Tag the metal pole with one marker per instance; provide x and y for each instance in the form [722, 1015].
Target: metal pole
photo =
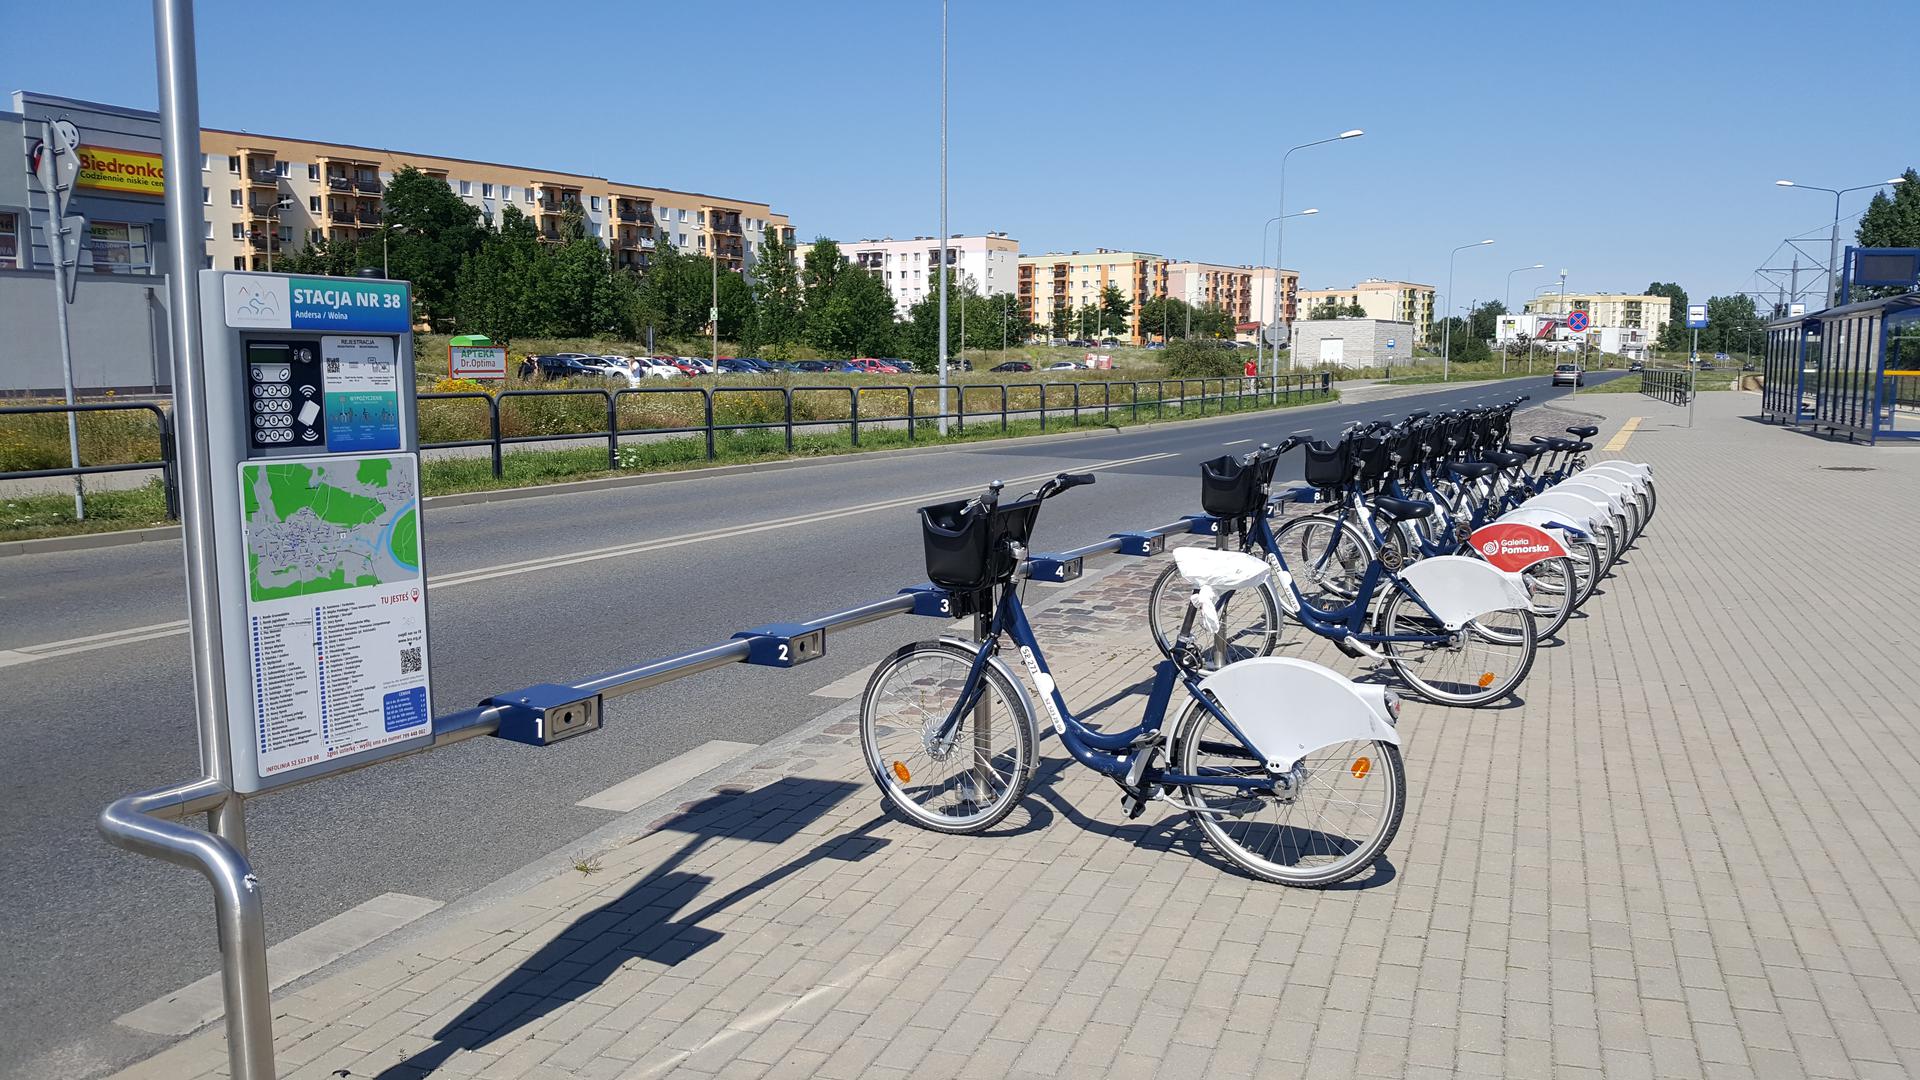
[61, 246]
[1833, 256]
[942, 367]
[1693, 376]
[713, 252]
[249, 1006]
[1446, 324]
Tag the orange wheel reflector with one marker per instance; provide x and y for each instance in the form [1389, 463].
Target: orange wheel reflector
[1486, 679]
[1361, 767]
[900, 771]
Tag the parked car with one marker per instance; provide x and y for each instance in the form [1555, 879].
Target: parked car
[1108, 343]
[700, 364]
[1636, 366]
[1063, 365]
[1568, 375]
[1058, 343]
[1156, 345]
[1012, 365]
[957, 363]
[735, 365]
[1706, 364]
[906, 367]
[817, 367]
[777, 365]
[867, 365]
[568, 366]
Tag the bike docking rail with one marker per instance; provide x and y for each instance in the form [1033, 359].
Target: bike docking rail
[153, 823]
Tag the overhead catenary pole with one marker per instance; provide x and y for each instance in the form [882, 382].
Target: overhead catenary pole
[943, 218]
[1833, 238]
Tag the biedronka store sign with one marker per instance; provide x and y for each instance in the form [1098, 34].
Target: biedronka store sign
[107, 168]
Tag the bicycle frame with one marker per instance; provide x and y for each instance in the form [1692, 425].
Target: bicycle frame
[1103, 752]
[1349, 619]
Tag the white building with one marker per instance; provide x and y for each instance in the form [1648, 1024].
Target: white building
[1551, 334]
[1352, 342]
[989, 263]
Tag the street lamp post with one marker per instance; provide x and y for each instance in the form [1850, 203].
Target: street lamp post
[273, 225]
[1280, 230]
[1833, 241]
[385, 231]
[941, 367]
[1259, 339]
[1507, 303]
[1446, 333]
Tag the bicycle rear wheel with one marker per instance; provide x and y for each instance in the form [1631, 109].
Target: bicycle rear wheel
[1249, 619]
[1554, 587]
[1340, 820]
[974, 779]
[1326, 556]
[1478, 664]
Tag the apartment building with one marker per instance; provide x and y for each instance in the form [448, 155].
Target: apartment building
[1629, 311]
[1072, 280]
[1397, 301]
[1270, 287]
[1199, 284]
[988, 263]
[266, 195]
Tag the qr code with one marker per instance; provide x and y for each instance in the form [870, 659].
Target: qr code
[410, 660]
[333, 366]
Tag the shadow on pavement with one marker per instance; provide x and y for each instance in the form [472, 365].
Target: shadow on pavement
[646, 921]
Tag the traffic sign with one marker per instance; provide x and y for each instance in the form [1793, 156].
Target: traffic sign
[1389, 343]
[1577, 322]
[1277, 334]
[1696, 316]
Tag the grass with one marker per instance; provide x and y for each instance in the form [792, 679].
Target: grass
[1630, 384]
[34, 516]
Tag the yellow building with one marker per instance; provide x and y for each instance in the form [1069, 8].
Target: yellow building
[1046, 283]
[1200, 284]
[266, 195]
[1630, 311]
[1399, 301]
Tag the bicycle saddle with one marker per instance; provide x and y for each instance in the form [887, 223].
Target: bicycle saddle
[1504, 459]
[1399, 509]
[1553, 442]
[1581, 447]
[1526, 450]
[1585, 431]
[1472, 470]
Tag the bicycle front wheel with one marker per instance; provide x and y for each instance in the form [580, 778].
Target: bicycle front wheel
[1553, 586]
[1478, 664]
[1338, 819]
[1249, 620]
[965, 783]
[1327, 557]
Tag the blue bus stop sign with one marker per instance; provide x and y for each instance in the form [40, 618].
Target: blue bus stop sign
[1389, 343]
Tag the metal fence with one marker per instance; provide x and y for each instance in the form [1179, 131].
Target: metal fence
[911, 406]
[163, 424]
[1671, 385]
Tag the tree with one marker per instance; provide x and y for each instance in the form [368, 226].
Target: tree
[1164, 317]
[1086, 321]
[1486, 320]
[1732, 322]
[333, 258]
[1203, 359]
[491, 288]
[822, 267]
[1212, 321]
[855, 316]
[1114, 310]
[1892, 221]
[779, 300]
[1333, 309]
[1673, 336]
[1060, 322]
[431, 232]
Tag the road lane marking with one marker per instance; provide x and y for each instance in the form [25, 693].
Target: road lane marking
[199, 1003]
[27, 654]
[1237, 442]
[639, 790]
[1619, 440]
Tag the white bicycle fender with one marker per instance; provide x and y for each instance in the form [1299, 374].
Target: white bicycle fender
[1459, 589]
[1603, 477]
[1614, 501]
[1579, 508]
[1555, 524]
[1289, 708]
[1634, 468]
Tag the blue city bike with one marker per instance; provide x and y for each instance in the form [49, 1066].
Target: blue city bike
[1291, 771]
[1454, 629]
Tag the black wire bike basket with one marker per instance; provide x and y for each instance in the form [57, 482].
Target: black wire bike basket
[1329, 465]
[971, 549]
[1229, 488]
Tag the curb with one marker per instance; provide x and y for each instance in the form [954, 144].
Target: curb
[86, 541]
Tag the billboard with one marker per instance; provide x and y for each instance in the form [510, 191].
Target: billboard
[133, 172]
[476, 362]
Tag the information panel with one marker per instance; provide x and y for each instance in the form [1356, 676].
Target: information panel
[336, 607]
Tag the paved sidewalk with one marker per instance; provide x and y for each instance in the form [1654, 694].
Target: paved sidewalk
[1688, 852]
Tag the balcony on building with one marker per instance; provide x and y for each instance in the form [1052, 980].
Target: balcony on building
[559, 200]
[633, 211]
[263, 170]
[632, 239]
[367, 215]
[340, 215]
[550, 232]
[262, 242]
[724, 221]
[631, 260]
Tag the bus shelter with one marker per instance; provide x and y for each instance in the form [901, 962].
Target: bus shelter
[1793, 355]
[1852, 370]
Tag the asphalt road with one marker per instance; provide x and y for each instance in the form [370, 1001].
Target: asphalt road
[93, 932]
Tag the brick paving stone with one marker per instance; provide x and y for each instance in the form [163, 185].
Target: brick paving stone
[1686, 853]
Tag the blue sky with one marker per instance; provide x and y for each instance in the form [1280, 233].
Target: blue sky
[1625, 143]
